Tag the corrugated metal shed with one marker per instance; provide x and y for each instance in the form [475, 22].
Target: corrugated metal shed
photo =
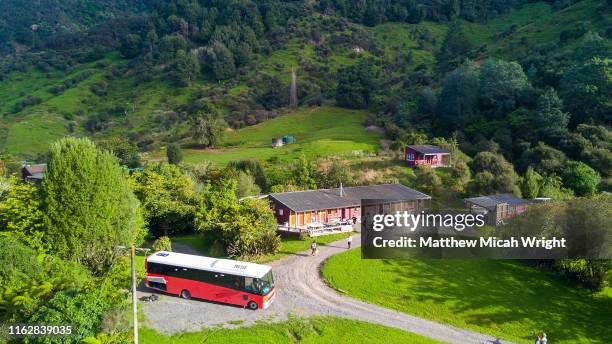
[490, 201]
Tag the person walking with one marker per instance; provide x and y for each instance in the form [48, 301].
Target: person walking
[538, 340]
[313, 247]
[349, 241]
[543, 340]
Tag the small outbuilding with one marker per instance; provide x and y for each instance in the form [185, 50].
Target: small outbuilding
[277, 142]
[497, 208]
[287, 139]
[34, 173]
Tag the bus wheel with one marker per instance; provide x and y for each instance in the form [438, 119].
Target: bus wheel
[252, 305]
[185, 294]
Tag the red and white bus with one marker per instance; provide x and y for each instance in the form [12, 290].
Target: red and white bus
[221, 280]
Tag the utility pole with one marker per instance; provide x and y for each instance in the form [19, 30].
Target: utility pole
[134, 303]
[133, 250]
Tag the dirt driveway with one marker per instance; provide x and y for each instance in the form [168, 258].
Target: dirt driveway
[300, 291]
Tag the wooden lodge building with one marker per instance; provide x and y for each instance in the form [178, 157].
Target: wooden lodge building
[497, 208]
[300, 209]
[434, 156]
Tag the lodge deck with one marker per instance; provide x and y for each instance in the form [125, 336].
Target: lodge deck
[318, 230]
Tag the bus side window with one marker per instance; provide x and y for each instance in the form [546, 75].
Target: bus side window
[203, 276]
[248, 284]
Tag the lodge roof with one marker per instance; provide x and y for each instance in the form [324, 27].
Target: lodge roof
[429, 149]
[311, 200]
[490, 201]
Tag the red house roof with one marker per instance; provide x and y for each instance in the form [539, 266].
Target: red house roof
[428, 149]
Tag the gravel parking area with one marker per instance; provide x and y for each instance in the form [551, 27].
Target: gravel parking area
[300, 291]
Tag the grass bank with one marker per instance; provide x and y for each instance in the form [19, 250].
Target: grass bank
[500, 297]
[288, 245]
[295, 330]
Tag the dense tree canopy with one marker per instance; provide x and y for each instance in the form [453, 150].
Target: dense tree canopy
[89, 209]
[167, 197]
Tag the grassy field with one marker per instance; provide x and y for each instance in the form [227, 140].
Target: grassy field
[318, 131]
[33, 134]
[295, 330]
[288, 245]
[504, 298]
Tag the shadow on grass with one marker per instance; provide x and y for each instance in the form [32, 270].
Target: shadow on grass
[498, 294]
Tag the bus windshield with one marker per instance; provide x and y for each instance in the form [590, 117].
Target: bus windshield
[260, 286]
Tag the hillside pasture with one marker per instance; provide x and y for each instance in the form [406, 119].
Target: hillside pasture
[318, 132]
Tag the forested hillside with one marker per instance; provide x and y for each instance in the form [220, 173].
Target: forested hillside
[33, 24]
[526, 80]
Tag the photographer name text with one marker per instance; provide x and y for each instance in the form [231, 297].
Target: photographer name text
[452, 242]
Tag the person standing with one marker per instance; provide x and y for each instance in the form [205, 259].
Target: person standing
[538, 340]
[313, 247]
[349, 241]
[544, 340]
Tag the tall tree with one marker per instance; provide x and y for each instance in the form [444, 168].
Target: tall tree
[454, 49]
[223, 65]
[501, 85]
[531, 183]
[174, 153]
[581, 178]
[550, 119]
[88, 206]
[586, 89]
[184, 69]
[207, 127]
[355, 85]
[458, 98]
[493, 174]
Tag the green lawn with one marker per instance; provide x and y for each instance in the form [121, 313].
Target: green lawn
[318, 132]
[294, 245]
[288, 245]
[500, 297]
[295, 330]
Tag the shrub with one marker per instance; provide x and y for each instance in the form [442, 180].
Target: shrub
[174, 153]
[162, 244]
[84, 310]
[18, 264]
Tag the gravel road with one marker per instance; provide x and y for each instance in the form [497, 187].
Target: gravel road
[300, 291]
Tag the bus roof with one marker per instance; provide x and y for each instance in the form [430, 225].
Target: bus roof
[225, 266]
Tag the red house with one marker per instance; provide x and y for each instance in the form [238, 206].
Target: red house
[433, 156]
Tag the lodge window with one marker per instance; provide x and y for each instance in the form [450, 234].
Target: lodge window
[410, 157]
[280, 211]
